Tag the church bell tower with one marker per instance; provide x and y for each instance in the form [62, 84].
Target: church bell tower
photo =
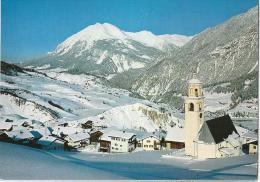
[194, 114]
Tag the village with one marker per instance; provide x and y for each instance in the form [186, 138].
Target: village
[214, 138]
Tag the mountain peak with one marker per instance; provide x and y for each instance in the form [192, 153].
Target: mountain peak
[101, 31]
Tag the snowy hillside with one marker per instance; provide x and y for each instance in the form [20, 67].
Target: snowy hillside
[51, 95]
[137, 116]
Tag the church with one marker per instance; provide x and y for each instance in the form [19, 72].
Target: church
[214, 138]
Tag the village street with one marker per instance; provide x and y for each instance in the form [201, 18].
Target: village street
[20, 162]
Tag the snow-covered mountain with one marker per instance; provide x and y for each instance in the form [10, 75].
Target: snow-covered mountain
[178, 40]
[107, 31]
[104, 49]
[227, 53]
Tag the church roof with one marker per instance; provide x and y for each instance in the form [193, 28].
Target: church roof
[216, 130]
[194, 79]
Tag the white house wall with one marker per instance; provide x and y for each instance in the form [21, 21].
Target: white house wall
[148, 143]
[119, 145]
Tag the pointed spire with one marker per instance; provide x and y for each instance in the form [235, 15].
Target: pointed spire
[194, 76]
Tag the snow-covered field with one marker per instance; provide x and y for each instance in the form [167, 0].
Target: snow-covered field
[23, 163]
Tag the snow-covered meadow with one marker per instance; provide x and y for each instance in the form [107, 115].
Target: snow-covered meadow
[23, 163]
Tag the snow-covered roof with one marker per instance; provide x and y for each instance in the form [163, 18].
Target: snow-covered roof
[47, 140]
[105, 137]
[241, 130]
[120, 134]
[5, 125]
[228, 151]
[44, 131]
[250, 135]
[78, 136]
[114, 133]
[20, 134]
[233, 139]
[148, 136]
[65, 130]
[175, 134]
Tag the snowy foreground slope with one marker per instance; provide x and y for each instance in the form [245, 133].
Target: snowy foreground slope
[23, 163]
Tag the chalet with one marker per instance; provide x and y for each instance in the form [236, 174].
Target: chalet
[249, 137]
[50, 143]
[174, 138]
[117, 141]
[105, 143]
[20, 136]
[87, 125]
[5, 126]
[149, 142]
[253, 147]
[77, 140]
[95, 136]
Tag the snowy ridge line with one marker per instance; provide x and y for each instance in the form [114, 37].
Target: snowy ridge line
[99, 31]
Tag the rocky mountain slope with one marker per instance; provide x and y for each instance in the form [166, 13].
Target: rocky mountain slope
[225, 53]
[103, 49]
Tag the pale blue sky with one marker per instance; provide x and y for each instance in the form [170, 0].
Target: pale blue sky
[31, 28]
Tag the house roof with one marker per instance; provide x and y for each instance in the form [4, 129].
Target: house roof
[20, 134]
[254, 142]
[36, 134]
[216, 130]
[175, 134]
[48, 140]
[250, 135]
[120, 134]
[5, 125]
[114, 133]
[149, 135]
[78, 136]
[65, 130]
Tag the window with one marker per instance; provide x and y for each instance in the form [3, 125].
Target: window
[112, 147]
[120, 145]
[191, 107]
[151, 146]
[145, 146]
[200, 115]
[196, 93]
[254, 147]
[148, 141]
[115, 144]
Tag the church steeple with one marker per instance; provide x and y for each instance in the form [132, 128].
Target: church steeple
[194, 113]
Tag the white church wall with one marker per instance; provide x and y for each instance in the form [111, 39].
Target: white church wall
[205, 151]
